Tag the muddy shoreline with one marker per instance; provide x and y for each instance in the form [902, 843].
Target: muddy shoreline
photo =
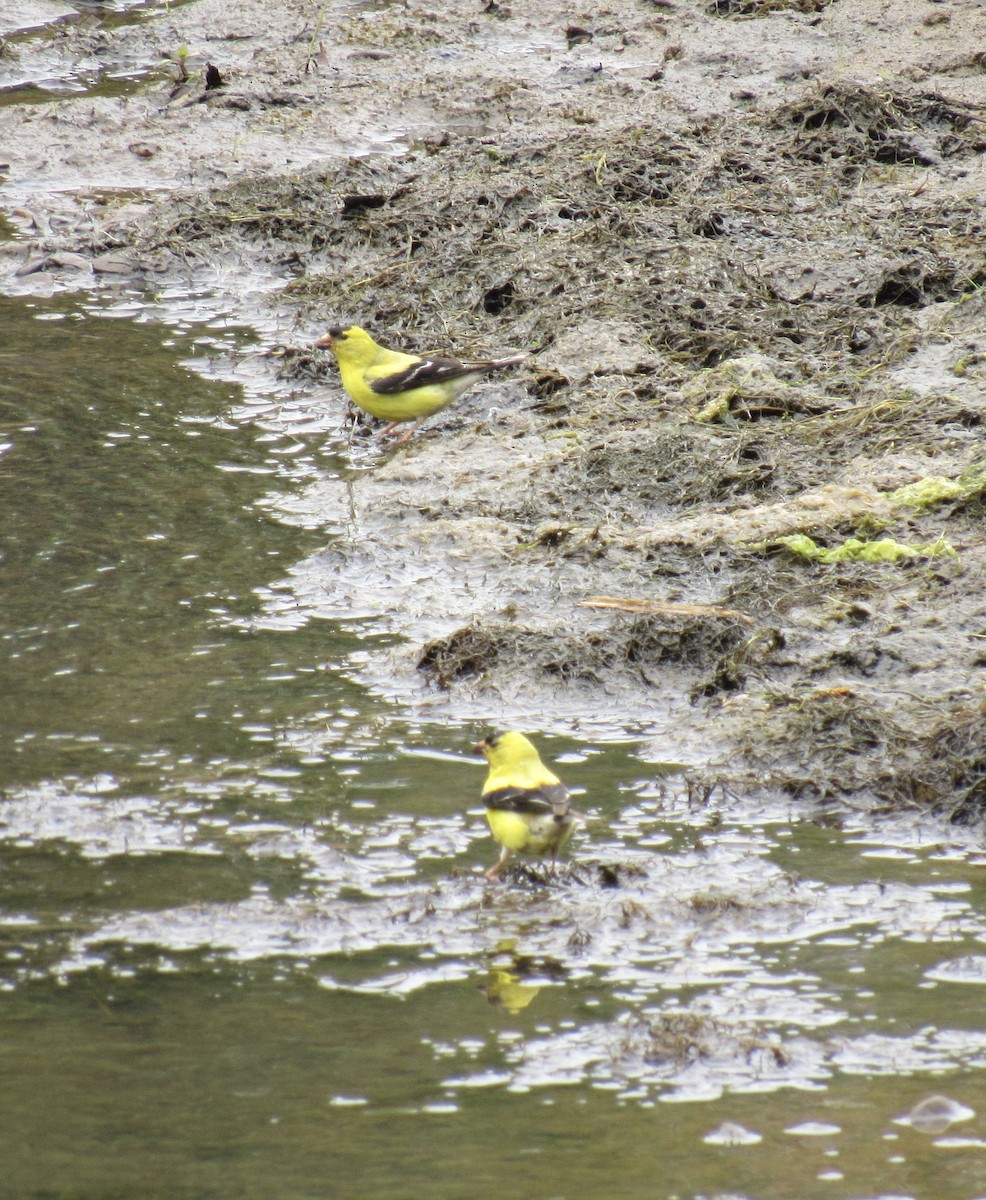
[744, 246]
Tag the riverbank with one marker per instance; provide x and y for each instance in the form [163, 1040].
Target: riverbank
[745, 254]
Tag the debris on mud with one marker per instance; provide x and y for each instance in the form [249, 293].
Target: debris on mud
[854, 125]
[716, 652]
[677, 1038]
[837, 747]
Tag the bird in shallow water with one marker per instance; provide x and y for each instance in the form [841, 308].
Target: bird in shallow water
[528, 808]
[397, 387]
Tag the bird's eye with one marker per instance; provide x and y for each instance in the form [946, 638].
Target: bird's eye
[337, 333]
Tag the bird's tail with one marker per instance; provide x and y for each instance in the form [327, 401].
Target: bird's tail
[494, 364]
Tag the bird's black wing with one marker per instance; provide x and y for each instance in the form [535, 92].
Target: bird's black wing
[422, 373]
[552, 800]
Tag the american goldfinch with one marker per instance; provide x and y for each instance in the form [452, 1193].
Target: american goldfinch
[527, 807]
[400, 387]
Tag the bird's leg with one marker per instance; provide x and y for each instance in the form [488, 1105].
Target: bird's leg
[494, 872]
[406, 437]
[389, 429]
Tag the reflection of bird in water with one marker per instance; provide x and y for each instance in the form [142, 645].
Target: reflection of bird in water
[505, 989]
[527, 807]
[515, 979]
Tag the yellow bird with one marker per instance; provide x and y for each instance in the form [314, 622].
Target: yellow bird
[527, 807]
[398, 387]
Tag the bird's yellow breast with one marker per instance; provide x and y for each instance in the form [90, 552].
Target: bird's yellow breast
[413, 405]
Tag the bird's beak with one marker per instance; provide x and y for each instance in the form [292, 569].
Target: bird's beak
[324, 342]
[481, 748]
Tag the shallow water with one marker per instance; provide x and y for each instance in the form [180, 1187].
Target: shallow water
[247, 950]
[38, 68]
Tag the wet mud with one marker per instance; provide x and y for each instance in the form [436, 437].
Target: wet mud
[743, 246]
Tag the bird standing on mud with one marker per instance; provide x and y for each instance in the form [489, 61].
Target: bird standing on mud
[527, 807]
[398, 387]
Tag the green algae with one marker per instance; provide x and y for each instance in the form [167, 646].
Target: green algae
[853, 549]
[936, 489]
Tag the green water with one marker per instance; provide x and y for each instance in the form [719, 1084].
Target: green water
[38, 70]
[131, 551]
[245, 950]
